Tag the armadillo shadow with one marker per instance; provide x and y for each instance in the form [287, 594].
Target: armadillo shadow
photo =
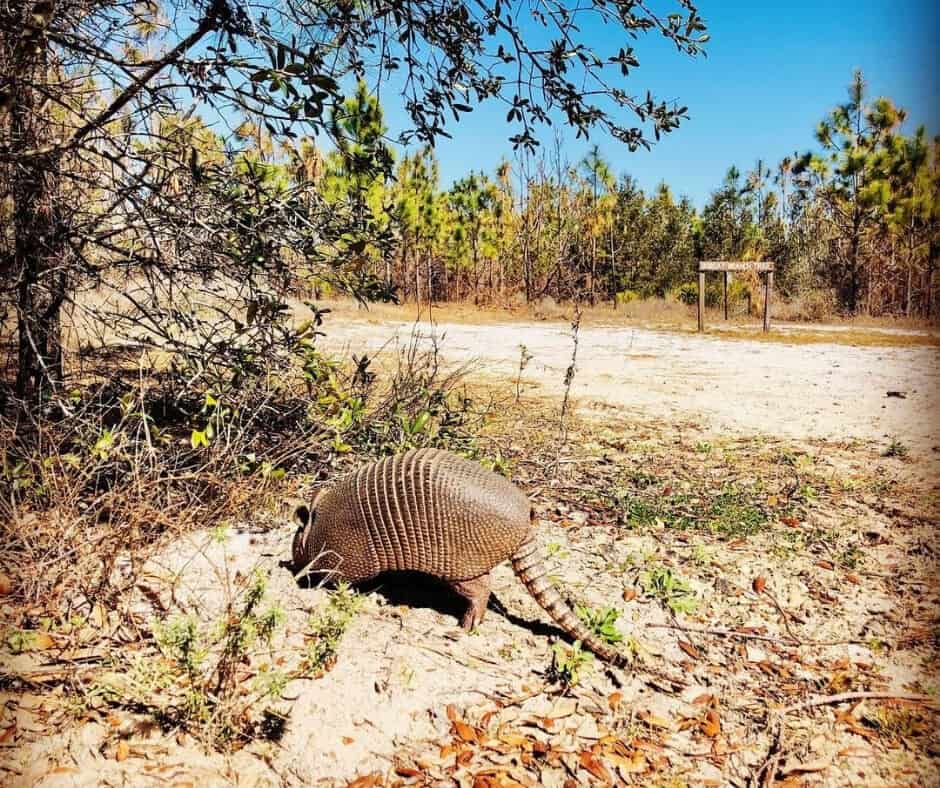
[418, 590]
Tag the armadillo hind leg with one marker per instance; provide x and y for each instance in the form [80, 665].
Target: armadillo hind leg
[477, 593]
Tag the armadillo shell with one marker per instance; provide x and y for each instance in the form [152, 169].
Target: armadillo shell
[426, 510]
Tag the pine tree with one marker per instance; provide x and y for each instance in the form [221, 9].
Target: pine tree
[598, 174]
[844, 179]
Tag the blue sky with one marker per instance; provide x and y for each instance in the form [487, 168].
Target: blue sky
[772, 72]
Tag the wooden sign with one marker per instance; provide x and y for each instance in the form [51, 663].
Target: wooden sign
[762, 266]
[737, 265]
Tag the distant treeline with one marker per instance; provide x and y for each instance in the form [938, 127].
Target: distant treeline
[852, 224]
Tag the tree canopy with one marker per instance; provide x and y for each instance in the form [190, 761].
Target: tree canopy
[124, 126]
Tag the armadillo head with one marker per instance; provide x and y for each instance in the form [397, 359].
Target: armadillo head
[304, 516]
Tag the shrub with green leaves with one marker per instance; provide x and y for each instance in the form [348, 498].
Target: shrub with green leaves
[199, 686]
[602, 623]
[327, 629]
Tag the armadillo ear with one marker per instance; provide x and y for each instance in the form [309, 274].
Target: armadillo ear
[302, 515]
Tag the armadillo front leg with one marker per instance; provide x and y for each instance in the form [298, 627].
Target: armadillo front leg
[477, 593]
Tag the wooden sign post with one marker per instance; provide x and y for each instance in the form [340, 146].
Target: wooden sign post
[761, 266]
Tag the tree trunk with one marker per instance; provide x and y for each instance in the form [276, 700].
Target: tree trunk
[428, 283]
[593, 266]
[40, 255]
[613, 265]
[932, 254]
[909, 306]
[526, 273]
[417, 263]
[852, 294]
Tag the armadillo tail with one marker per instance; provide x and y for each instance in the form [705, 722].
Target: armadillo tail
[528, 564]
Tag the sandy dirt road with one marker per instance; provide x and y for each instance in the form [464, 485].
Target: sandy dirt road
[745, 387]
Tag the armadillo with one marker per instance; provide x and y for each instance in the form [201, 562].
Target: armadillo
[434, 512]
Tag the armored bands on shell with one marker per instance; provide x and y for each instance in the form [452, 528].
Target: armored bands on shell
[434, 512]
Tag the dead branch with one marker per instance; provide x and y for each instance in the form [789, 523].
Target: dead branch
[843, 697]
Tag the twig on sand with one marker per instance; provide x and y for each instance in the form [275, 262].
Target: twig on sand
[569, 375]
[731, 633]
[843, 697]
[783, 613]
[791, 641]
[766, 774]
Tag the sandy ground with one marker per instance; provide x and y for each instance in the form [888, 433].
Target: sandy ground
[734, 386]
[854, 573]
[847, 553]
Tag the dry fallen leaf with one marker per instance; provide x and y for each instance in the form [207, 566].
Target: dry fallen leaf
[759, 584]
[629, 594]
[406, 771]
[348, 740]
[853, 578]
[590, 762]
[711, 725]
[614, 700]
[825, 564]
[515, 740]
[7, 733]
[123, 750]
[791, 767]
[465, 732]
[632, 763]
[563, 707]
[366, 781]
[451, 712]
[6, 585]
[654, 720]
[689, 649]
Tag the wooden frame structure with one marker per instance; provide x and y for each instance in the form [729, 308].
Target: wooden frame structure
[761, 266]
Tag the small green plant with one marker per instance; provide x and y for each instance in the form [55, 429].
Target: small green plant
[216, 414]
[496, 462]
[642, 479]
[895, 449]
[327, 629]
[731, 513]
[702, 555]
[198, 683]
[104, 446]
[602, 623]
[555, 550]
[568, 663]
[703, 447]
[674, 592]
[18, 474]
